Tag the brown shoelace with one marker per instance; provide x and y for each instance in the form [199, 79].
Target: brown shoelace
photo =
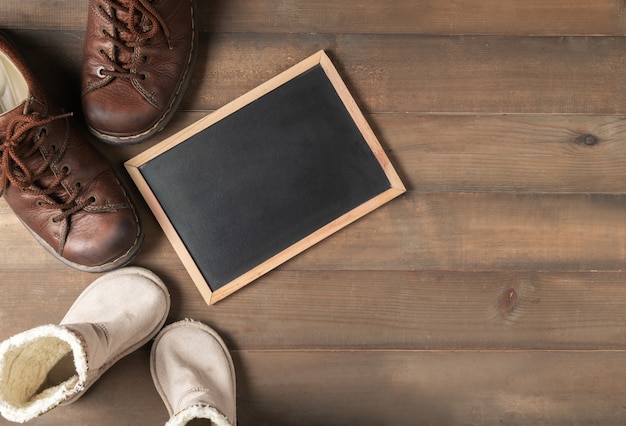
[135, 26]
[15, 150]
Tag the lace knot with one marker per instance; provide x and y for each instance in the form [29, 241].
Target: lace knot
[136, 23]
[24, 138]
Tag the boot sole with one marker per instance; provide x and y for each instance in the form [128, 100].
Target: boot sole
[109, 266]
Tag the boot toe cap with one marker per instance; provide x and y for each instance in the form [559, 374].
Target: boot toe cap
[102, 243]
[119, 113]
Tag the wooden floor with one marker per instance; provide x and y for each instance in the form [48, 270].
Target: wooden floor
[492, 292]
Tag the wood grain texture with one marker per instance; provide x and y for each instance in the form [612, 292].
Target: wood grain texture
[552, 17]
[426, 74]
[521, 153]
[491, 293]
[429, 74]
[560, 154]
[408, 388]
[383, 387]
[534, 17]
[371, 310]
[447, 231]
[480, 231]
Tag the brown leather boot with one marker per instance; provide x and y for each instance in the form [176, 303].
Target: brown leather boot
[138, 61]
[58, 185]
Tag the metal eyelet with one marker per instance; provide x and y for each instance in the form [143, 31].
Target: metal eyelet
[66, 169]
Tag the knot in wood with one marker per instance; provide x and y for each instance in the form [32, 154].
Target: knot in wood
[508, 301]
[587, 139]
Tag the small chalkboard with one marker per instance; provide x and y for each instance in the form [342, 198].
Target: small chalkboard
[267, 176]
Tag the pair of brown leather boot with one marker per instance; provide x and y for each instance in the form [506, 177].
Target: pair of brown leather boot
[138, 58]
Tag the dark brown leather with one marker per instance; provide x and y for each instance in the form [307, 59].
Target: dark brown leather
[138, 61]
[60, 187]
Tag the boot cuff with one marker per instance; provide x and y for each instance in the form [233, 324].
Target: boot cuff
[198, 412]
[27, 362]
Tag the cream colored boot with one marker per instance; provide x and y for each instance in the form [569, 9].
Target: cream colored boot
[54, 364]
[194, 374]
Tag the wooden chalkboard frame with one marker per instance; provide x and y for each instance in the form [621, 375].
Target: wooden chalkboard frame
[393, 189]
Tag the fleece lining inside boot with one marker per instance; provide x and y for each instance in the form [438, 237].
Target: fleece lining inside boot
[30, 372]
[39, 369]
[198, 415]
[13, 86]
[200, 422]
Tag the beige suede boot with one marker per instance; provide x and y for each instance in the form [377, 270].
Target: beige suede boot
[55, 364]
[194, 374]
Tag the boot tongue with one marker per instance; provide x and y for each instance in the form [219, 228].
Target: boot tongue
[36, 159]
[6, 117]
[134, 20]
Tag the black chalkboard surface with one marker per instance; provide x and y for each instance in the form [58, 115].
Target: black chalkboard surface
[265, 177]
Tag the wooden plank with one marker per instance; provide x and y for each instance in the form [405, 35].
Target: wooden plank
[334, 310]
[422, 310]
[509, 17]
[480, 231]
[382, 387]
[468, 153]
[463, 153]
[42, 14]
[547, 153]
[445, 231]
[407, 388]
[463, 75]
[535, 17]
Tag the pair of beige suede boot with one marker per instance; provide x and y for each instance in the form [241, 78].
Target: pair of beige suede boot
[119, 312]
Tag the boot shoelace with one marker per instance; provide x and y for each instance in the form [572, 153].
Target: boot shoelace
[135, 26]
[14, 152]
